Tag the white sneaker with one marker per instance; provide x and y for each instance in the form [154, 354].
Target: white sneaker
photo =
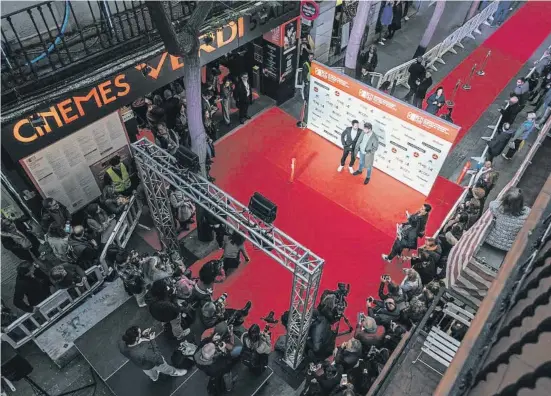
[406, 18]
[486, 138]
[385, 257]
[179, 373]
[380, 42]
[350, 169]
[340, 168]
[384, 39]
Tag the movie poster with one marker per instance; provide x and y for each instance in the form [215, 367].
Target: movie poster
[70, 169]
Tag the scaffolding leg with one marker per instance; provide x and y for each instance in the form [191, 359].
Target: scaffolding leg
[159, 206]
[303, 300]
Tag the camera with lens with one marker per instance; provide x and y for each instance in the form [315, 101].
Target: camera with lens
[220, 302]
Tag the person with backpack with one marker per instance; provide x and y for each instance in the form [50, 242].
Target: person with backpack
[82, 251]
[257, 346]
[128, 268]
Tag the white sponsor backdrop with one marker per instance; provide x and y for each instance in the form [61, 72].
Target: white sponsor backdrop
[63, 169]
[406, 152]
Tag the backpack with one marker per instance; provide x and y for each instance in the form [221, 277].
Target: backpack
[72, 256]
[182, 358]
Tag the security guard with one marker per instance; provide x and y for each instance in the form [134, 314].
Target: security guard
[118, 176]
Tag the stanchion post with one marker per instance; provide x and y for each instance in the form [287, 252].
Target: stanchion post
[301, 123]
[451, 102]
[467, 85]
[481, 72]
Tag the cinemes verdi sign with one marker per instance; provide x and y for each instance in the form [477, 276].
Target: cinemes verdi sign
[60, 119]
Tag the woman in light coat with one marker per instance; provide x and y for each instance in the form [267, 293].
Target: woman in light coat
[509, 217]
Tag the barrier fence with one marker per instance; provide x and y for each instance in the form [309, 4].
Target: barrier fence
[123, 229]
[48, 311]
[62, 301]
[399, 75]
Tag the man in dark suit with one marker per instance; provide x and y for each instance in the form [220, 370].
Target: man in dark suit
[349, 139]
[243, 96]
[510, 112]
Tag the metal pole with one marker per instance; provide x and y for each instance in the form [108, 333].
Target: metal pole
[467, 85]
[481, 72]
[451, 102]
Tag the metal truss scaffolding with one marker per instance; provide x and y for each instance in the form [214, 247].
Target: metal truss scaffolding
[160, 169]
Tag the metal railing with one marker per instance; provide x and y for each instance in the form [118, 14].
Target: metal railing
[123, 229]
[399, 75]
[48, 311]
[480, 159]
[52, 40]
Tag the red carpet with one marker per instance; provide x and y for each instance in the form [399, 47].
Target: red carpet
[511, 45]
[334, 214]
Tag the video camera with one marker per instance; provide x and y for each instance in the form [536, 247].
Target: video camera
[270, 322]
[343, 289]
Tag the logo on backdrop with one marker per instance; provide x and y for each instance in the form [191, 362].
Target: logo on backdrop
[309, 10]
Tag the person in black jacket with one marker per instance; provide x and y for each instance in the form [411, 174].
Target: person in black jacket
[416, 73]
[18, 239]
[82, 251]
[66, 276]
[510, 112]
[54, 212]
[31, 283]
[321, 338]
[164, 308]
[348, 354]
[383, 312]
[243, 95]
[421, 91]
[349, 139]
[217, 366]
[423, 217]
[406, 238]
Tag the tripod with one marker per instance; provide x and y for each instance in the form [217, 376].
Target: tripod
[345, 332]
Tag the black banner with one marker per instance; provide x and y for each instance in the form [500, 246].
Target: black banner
[83, 107]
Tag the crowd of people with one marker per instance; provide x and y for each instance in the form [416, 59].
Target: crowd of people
[211, 336]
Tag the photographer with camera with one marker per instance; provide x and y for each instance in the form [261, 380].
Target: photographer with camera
[394, 291]
[164, 307]
[217, 366]
[322, 379]
[141, 349]
[348, 354]
[129, 269]
[369, 333]
[257, 345]
[382, 311]
[212, 313]
[203, 289]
